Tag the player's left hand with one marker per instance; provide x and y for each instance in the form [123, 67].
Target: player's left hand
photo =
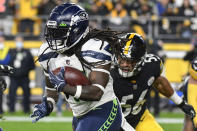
[3, 84]
[5, 70]
[58, 80]
[42, 110]
[187, 109]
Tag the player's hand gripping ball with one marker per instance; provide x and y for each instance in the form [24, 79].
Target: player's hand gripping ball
[67, 75]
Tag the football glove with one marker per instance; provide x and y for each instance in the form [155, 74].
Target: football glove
[5, 70]
[187, 109]
[3, 84]
[42, 110]
[58, 80]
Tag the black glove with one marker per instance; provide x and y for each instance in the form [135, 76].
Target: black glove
[187, 109]
[3, 84]
[5, 70]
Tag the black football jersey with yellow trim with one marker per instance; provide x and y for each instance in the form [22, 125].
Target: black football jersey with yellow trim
[132, 92]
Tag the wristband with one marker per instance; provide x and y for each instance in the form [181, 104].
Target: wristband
[176, 99]
[99, 86]
[51, 100]
[78, 92]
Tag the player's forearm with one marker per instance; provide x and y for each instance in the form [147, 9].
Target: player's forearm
[99, 78]
[163, 86]
[51, 94]
[87, 93]
[50, 91]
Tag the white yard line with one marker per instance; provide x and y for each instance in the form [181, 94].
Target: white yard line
[69, 119]
[170, 120]
[46, 119]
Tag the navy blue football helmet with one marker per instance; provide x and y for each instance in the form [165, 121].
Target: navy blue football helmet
[68, 23]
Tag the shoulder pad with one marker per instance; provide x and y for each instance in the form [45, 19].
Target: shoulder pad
[95, 50]
[45, 54]
[154, 61]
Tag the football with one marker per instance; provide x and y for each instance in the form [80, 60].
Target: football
[74, 76]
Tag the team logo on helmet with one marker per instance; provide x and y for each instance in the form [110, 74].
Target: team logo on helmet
[81, 17]
[193, 69]
[194, 66]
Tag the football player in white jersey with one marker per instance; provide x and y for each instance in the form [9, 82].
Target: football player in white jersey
[69, 43]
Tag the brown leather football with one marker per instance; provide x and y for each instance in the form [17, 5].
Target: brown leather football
[74, 76]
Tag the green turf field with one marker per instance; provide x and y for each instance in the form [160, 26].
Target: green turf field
[66, 126]
[172, 127]
[40, 126]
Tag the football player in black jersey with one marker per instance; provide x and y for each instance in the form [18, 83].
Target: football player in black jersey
[134, 74]
[189, 87]
[5, 70]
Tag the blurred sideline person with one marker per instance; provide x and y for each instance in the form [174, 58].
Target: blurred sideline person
[23, 62]
[69, 43]
[134, 75]
[189, 88]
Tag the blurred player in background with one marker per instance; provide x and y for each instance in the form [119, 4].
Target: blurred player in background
[4, 71]
[134, 75]
[189, 87]
[69, 43]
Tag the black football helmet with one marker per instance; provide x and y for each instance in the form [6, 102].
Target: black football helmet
[133, 48]
[67, 24]
[193, 69]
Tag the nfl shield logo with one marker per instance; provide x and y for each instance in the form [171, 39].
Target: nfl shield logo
[68, 62]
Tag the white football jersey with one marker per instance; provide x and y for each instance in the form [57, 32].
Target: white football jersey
[92, 51]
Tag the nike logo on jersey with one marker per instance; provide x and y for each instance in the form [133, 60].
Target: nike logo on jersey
[68, 62]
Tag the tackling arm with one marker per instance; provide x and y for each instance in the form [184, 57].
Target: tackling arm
[164, 87]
